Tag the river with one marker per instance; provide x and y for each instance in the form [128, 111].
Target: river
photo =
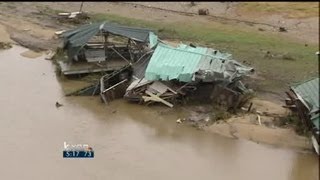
[130, 141]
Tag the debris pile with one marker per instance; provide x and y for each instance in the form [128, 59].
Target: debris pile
[174, 72]
[148, 70]
[203, 11]
[303, 98]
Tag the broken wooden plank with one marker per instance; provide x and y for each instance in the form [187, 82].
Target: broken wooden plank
[156, 99]
[59, 32]
[63, 14]
[161, 87]
[115, 85]
[50, 55]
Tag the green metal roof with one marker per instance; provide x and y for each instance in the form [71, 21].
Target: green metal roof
[182, 62]
[309, 92]
[75, 39]
[153, 40]
[169, 63]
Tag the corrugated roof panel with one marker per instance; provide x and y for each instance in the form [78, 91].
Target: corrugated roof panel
[153, 40]
[138, 34]
[169, 63]
[309, 91]
[181, 63]
[75, 39]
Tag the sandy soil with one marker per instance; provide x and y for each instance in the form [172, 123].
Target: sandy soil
[247, 126]
[22, 26]
[31, 54]
[5, 36]
[242, 127]
[25, 25]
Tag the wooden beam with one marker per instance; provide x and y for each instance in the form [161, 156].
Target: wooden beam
[115, 85]
[120, 55]
[81, 7]
[156, 99]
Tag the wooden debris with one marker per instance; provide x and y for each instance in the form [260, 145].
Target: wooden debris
[112, 87]
[50, 55]
[59, 32]
[179, 121]
[203, 11]
[58, 104]
[258, 117]
[282, 29]
[155, 98]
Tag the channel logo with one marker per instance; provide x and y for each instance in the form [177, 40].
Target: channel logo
[77, 151]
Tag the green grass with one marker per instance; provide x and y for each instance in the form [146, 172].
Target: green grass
[243, 44]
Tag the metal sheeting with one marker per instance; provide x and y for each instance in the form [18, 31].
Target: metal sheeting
[153, 40]
[169, 63]
[181, 63]
[74, 40]
[137, 34]
[308, 92]
[77, 38]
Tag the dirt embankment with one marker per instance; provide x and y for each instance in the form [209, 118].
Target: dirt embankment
[22, 25]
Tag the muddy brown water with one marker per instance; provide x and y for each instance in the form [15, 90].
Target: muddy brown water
[130, 141]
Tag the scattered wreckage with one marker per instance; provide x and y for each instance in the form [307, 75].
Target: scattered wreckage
[173, 72]
[141, 68]
[303, 98]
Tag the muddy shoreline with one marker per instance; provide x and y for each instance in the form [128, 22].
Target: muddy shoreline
[40, 40]
[130, 141]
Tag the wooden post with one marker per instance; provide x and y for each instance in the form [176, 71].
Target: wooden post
[106, 46]
[249, 109]
[81, 7]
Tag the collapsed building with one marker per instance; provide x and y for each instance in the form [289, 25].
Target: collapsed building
[173, 72]
[147, 70]
[303, 98]
[103, 47]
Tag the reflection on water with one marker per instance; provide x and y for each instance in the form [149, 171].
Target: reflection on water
[130, 141]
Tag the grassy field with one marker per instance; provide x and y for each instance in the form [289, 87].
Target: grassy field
[292, 61]
[290, 9]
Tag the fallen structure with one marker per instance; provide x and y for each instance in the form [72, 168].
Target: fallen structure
[150, 70]
[304, 99]
[174, 72]
[103, 47]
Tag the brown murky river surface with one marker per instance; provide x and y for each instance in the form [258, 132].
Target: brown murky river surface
[130, 141]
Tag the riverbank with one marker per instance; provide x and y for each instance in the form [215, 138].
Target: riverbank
[247, 45]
